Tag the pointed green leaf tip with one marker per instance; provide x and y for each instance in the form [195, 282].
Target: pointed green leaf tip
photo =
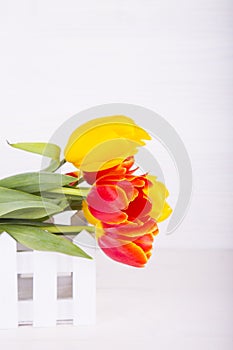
[38, 239]
[49, 150]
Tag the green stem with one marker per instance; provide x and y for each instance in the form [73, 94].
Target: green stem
[81, 191]
[69, 229]
[62, 162]
[80, 180]
[54, 165]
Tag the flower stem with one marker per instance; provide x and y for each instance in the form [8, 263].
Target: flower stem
[80, 191]
[62, 162]
[68, 229]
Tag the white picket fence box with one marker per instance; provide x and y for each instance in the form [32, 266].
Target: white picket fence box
[45, 289]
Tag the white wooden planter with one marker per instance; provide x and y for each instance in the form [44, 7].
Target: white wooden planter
[29, 287]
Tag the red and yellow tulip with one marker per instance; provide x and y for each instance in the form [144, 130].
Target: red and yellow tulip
[121, 205]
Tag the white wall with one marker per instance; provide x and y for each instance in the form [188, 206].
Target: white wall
[59, 57]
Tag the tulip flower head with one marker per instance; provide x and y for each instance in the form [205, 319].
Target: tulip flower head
[104, 142]
[125, 212]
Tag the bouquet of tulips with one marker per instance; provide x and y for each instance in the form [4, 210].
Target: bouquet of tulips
[122, 206]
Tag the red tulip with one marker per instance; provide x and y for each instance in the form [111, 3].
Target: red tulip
[119, 205]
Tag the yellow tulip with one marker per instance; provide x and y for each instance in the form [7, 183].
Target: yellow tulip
[102, 143]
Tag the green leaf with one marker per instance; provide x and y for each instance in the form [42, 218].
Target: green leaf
[38, 239]
[59, 229]
[21, 205]
[11, 195]
[54, 228]
[49, 150]
[30, 213]
[36, 181]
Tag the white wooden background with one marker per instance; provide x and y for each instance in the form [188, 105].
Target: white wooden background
[175, 57]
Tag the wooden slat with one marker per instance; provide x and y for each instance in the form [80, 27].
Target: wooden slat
[25, 309]
[8, 287]
[64, 263]
[25, 262]
[44, 289]
[84, 285]
[64, 311]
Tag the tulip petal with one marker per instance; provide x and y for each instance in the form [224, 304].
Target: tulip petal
[158, 194]
[107, 199]
[131, 229]
[129, 254]
[140, 207]
[88, 215]
[103, 154]
[166, 212]
[109, 218]
[145, 242]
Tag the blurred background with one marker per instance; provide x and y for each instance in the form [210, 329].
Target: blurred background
[174, 57]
